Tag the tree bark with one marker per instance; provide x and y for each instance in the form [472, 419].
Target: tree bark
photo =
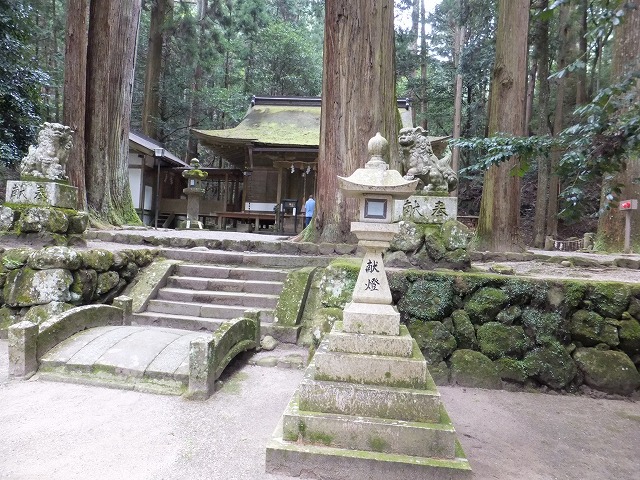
[626, 59]
[113, 31]
[160, 12]
[544, 91]
[358, 100]
[75, 92]
[558, 123]
[499, 222]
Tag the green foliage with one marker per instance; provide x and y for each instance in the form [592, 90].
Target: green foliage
[20, 82]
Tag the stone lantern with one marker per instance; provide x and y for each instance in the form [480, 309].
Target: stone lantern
[194, 193]
[376, 187]
[367, 406]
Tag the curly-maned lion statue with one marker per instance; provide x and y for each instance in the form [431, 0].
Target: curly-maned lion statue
[420, 162]
[48, 159]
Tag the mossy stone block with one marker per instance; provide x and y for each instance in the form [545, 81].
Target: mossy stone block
[456, 235]
[16, 257]
[550, 365]
[473, 369]
[497, 340]
[41, 313]
[337, 282]
[78, 223]
[27, 287]
[440, 373]
[509, 315]
[485, 304]
[409, 238]
[544, 326]
[84, 285]
[464, 332]
[54, 257]
[590, 329]
[607, 370]
[609, 299]
[428, 300]
[39, 219]
[99, 260]
[434, 340]
[106, 282]
[629, 334]
[511, 370]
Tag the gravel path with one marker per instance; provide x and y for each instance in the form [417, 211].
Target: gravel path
[61, 431]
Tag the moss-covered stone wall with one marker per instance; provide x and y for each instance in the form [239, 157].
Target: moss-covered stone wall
[496, 331]
[38, 283]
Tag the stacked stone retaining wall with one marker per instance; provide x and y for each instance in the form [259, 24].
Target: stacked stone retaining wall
[39, 283]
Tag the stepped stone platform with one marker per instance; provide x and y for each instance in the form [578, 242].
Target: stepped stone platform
[138, 358]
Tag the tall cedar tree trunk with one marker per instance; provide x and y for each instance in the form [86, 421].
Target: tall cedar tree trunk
[542, 194]
[583, 52]
[499, 222]
[558, 122]
[358, 100]
[75, 92]
[458, 42]
[626, 59]
[113, 32]
[160, 12]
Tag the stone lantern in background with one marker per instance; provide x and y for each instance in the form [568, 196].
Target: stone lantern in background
[194, 193]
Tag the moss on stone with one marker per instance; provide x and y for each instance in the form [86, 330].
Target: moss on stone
[551, 365]
[473, 369]
[99, 260]
[497, 340]
[288, 311]
[544, 326]
[434, 340]
[511, 370]
[590, 329]
[428, 300]
[464, 332]
[607, 370]
[338, 281]
[609, 299]
[574, 293]
[509, 315]
[16, 257]
[629, 335]
[485, 303]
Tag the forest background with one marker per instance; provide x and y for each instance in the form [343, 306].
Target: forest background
[198, 62]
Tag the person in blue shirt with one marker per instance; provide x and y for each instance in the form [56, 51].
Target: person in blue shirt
[309, 208]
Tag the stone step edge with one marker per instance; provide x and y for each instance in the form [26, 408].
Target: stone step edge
[240, 308]
[429, 396]
[173, 316]
[224, 280]
[137, 384]
[297, 453]
[180, 291]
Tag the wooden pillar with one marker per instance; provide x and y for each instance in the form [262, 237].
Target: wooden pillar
[278, 198]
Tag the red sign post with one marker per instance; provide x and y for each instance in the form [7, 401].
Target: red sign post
[627, 206]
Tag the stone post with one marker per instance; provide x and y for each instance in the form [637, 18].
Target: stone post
[23, 343]
[201, 368]
[126, 305]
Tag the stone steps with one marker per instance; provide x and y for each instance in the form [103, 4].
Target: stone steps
[225, 285]
[249, 300]
[434, 440]
[202, 297]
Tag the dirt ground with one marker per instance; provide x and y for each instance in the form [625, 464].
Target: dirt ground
[62, 431]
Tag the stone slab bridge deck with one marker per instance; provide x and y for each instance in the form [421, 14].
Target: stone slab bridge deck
[97, 344]
[130, 357]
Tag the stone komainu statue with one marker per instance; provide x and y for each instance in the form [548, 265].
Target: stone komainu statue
[420, 162]
[49, 158]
